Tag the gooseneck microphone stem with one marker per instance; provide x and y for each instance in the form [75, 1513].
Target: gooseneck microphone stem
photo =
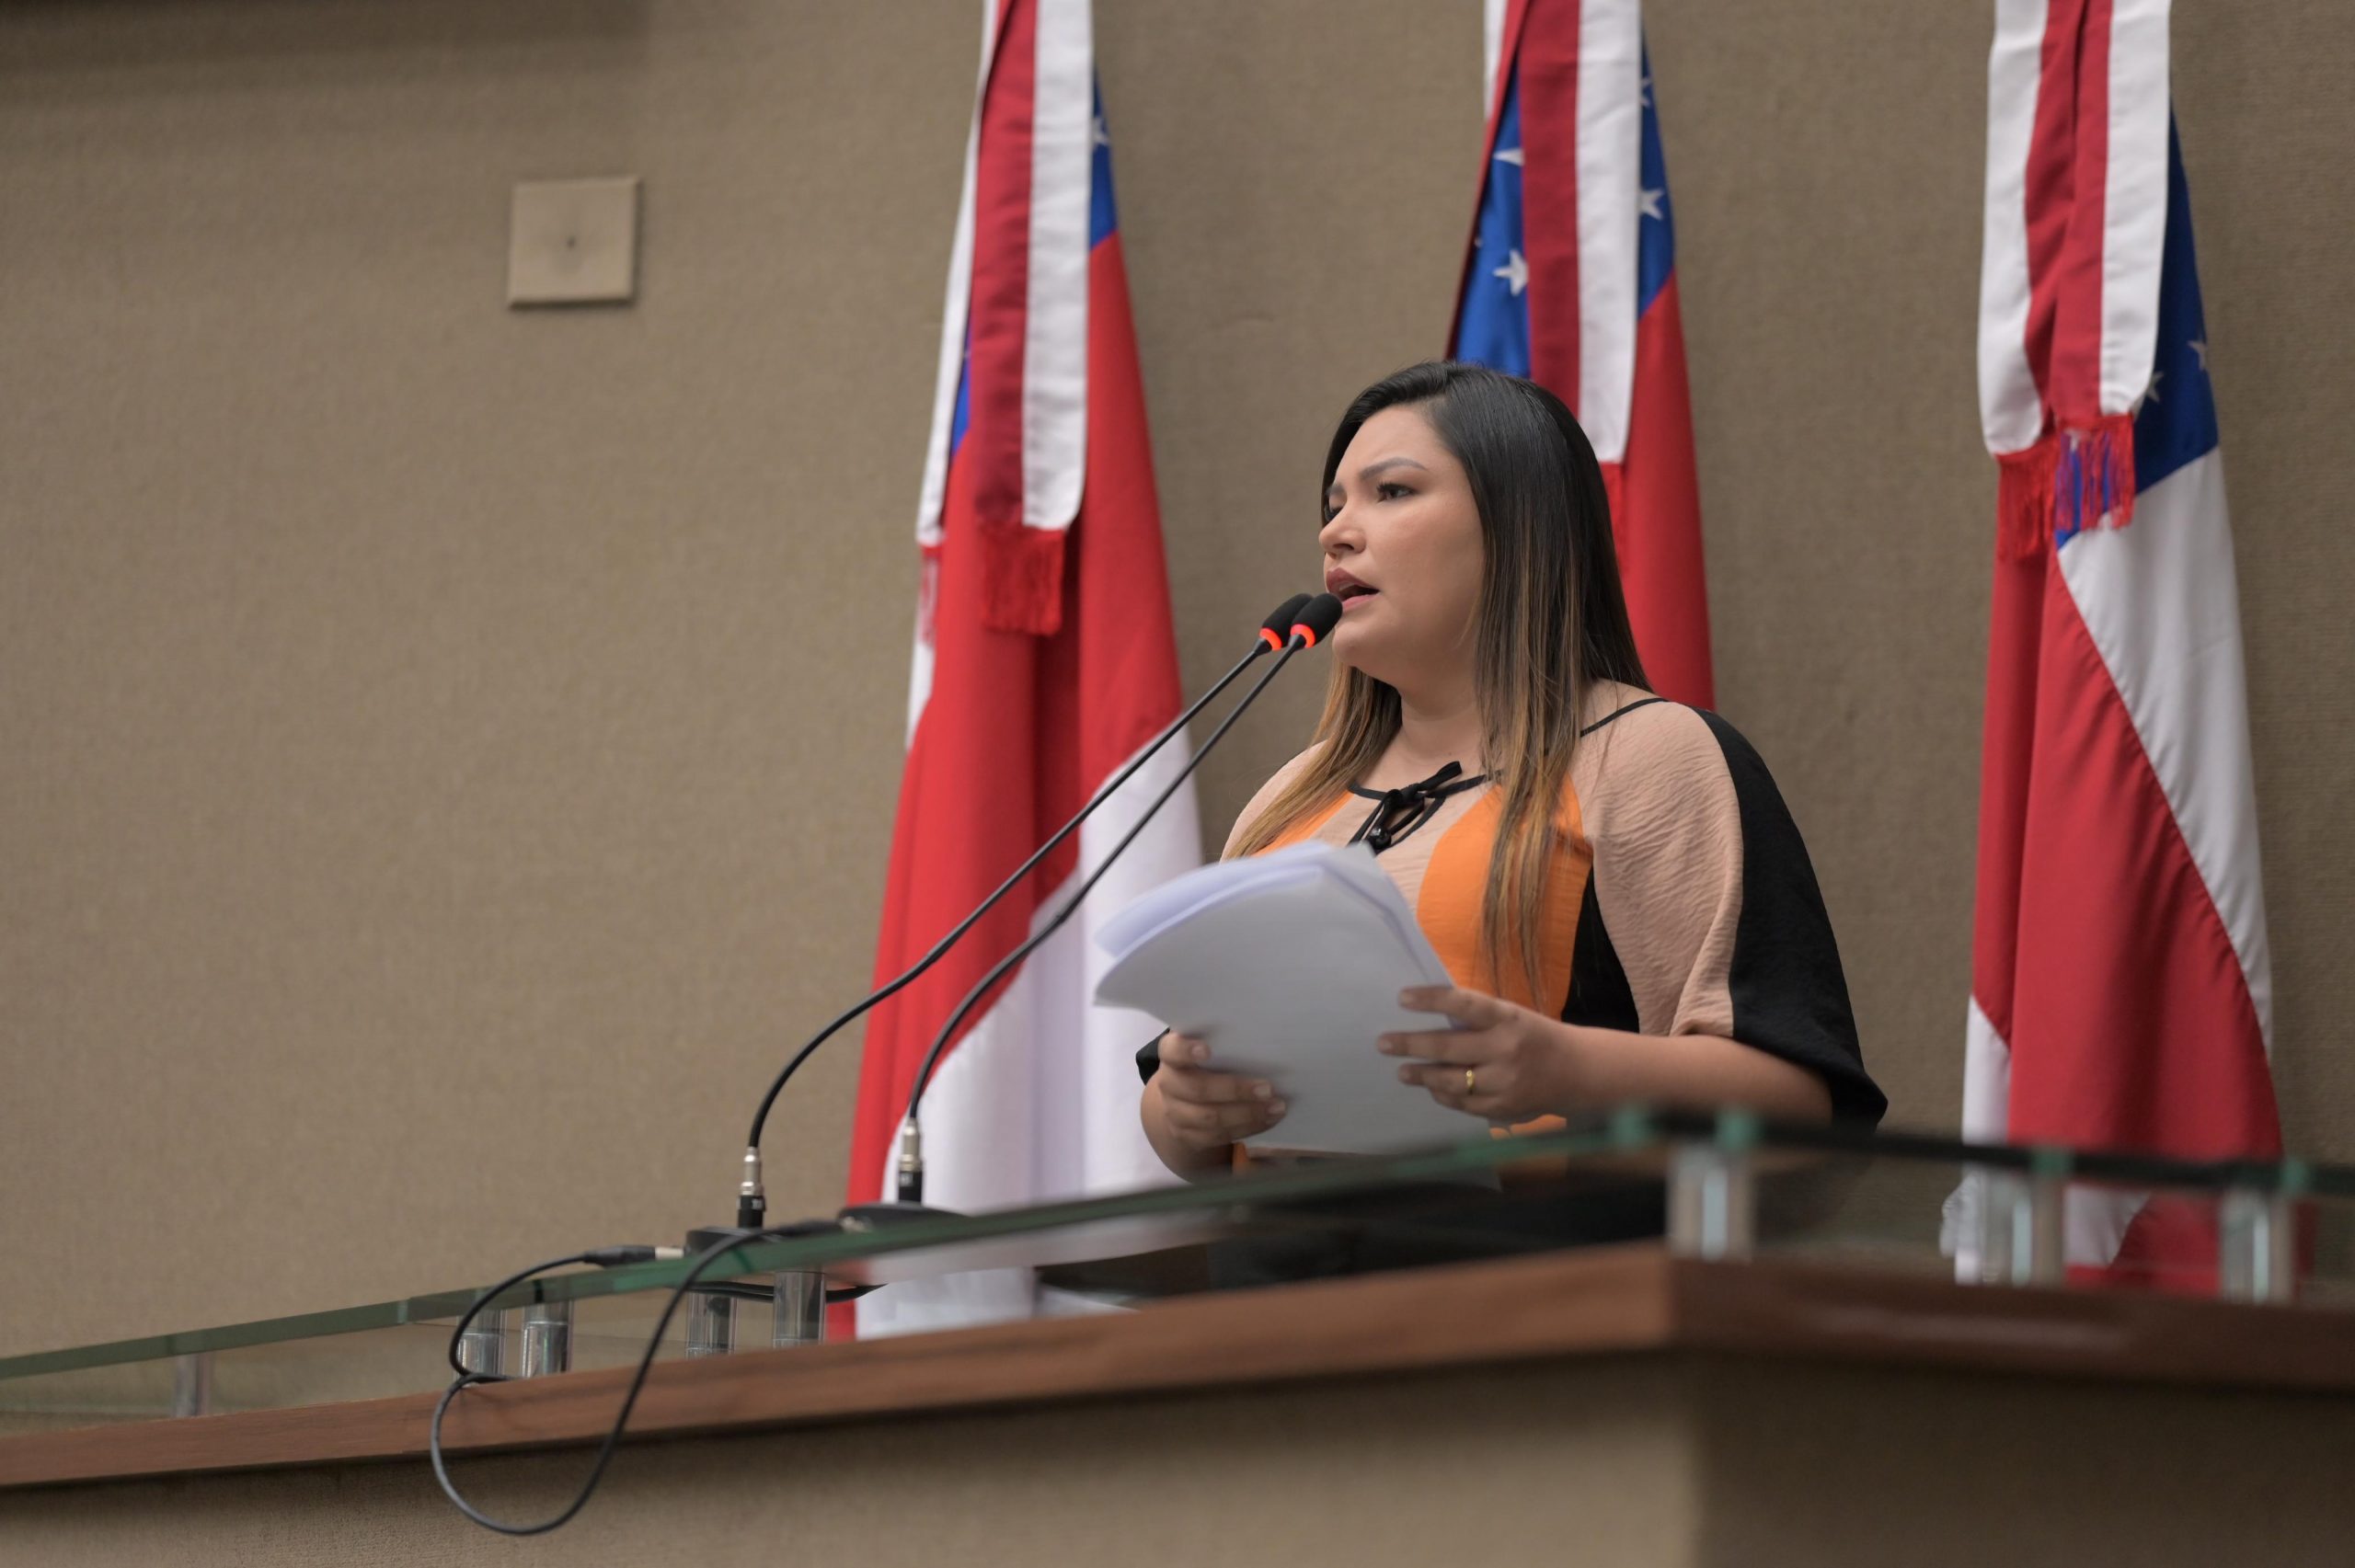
[1308, 620]
[911, 1161]
[751, 1202]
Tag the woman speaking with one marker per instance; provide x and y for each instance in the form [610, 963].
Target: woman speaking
[1611, 878]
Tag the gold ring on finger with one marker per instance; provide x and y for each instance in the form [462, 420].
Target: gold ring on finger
[1471, 1084]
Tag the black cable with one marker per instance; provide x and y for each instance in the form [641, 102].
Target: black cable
[911, 1192]
[604, 1257]
[748, 1234]
[702, 1261]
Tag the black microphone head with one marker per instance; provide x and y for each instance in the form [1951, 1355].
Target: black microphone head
[1317, 618]
[1278, 625]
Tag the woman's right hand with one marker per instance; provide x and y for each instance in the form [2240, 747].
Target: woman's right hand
[1205, 1110]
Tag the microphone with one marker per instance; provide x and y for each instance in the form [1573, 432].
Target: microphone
[1312, 625]
[1300, 622]
[752, 1201]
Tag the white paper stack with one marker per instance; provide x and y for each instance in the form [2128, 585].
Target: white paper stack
[1289, 966]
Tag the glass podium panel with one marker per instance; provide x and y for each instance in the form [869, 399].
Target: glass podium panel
[1727, 1187]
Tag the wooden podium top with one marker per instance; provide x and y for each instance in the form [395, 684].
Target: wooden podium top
[1634, 1299]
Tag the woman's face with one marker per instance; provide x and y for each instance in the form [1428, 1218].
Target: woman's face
[1403, 551]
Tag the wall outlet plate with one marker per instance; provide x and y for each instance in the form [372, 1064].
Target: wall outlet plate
[574, 242]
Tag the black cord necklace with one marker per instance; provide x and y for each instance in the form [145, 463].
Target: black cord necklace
[1400, 811]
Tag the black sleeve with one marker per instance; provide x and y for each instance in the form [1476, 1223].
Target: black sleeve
[1790, 994]
[1600, 997]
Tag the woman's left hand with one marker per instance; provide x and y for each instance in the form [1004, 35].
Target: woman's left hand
[1508, 1063]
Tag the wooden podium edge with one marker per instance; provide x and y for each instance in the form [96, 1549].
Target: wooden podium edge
[1603, 1301]
[1816, 1311]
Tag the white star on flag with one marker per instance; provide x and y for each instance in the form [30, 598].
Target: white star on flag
[1650, 201]
[1515, 273]
[2199, 347]
[1510, 155]
[1103, 137]
[1644, 96]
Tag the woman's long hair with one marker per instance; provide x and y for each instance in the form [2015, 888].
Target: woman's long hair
[1552, 620]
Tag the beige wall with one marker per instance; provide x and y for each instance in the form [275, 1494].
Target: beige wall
[449, 752]
[1663, 1461]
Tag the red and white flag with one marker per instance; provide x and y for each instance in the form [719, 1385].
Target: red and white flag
[2120, 987]
[1570, 279]
[1044, 661]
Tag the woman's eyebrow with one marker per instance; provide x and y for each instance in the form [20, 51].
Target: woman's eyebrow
[1367, 474]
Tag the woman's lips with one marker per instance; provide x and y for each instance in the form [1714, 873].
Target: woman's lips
[1361, 597]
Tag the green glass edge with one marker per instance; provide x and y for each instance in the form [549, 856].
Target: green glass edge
[1629, 1130]
[1625, 1132]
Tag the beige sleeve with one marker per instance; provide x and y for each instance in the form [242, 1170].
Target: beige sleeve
[1259, 801]
[1657, 806]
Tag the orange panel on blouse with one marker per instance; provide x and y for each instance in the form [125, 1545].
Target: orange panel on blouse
[1679, 898]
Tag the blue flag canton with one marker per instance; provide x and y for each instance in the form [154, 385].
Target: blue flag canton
[1494, 324]
[1103, 216]
[1656, 231]
[2177, 421]
[1494, 329]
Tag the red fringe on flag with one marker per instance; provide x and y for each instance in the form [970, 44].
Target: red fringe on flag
[2024, 498]
[2069, 481]
[1022, 577]
[2096, 476]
